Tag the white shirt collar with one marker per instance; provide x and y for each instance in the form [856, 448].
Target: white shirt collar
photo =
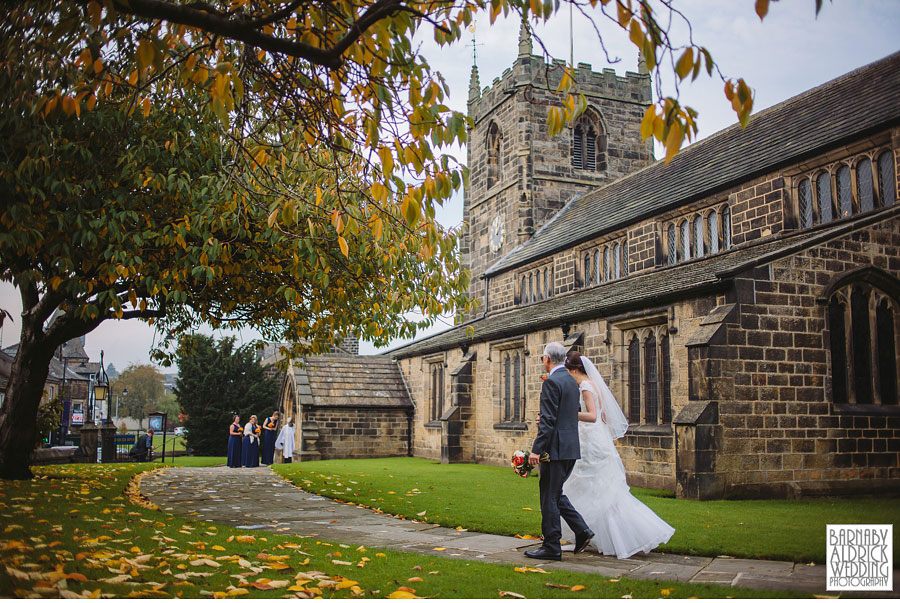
[556, 368]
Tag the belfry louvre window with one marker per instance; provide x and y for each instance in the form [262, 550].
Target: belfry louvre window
[829, 193]
[700, 233]
[864, 324]
[493, 154]
[605, 263]
[588, 144]
[436, 407]
[649, 376]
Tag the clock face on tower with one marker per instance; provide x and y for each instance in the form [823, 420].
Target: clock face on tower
[496, 233]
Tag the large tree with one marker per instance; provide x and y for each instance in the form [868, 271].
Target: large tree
[273, 164]
[145, 390]
[215, 381]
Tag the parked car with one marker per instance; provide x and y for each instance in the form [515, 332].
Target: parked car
[180, 431]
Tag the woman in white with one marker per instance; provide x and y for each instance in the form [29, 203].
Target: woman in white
[622, 524]
[285, 441]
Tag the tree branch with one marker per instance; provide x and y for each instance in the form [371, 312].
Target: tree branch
[245, 31]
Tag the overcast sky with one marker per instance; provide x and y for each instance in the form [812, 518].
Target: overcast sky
[788, 53]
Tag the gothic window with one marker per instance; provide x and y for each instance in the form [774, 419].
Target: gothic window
[887, 183]
[804, 202]
[634, 380]
[546, 285]
[597, 274]
[493, 154]
[649, 376]
[625, 258]
[538, 295]
[530, 288]
[437, 390]
[685, 240]
[865, 186]
[672, 244]
[863, 328]
[726, 228]
[512, 386]
[607, 268]
[522, 298]
[587, 270]
[698, 236]
[845, 197]
[713, 224]
[823, 195]
[617, 261]
[588, 144]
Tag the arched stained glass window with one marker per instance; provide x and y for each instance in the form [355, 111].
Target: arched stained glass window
[698, 236]
[726, 227]
[838, 345]
[887, 181]
[865, 185]
[886, 353]
[685, 240]
[634, 381]
[861, 345]
[672, 245]
[823, 195]
[617, 261]
[651, 385]
[713, 227]
[804, 203]
[607, 265]
[844, 195]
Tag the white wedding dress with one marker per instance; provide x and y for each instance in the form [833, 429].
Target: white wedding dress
[622, 524]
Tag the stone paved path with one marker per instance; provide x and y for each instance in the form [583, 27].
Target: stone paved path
[258, 499]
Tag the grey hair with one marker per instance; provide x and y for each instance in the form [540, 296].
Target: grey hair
[556, 352]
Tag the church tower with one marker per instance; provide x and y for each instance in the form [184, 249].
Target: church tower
[520, 177]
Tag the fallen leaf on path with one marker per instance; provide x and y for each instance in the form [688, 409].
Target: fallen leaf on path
[507, 593]
[577, 587]
[523, 570]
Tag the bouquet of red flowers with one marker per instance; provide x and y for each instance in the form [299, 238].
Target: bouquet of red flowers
[520, 463]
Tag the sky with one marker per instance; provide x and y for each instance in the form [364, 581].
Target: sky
[789, 52]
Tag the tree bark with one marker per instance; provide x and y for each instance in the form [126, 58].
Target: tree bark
[18, 417]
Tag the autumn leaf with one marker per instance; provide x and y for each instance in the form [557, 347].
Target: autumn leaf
[577, 587]
[402, 594]
[508, 593]
[523, 570]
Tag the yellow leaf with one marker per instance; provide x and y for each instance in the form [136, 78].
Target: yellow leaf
[402, 594]
[98, 65]
[577, 587]
[666, 591]
[217, 547]
[414, 579]
[344, 249]
[68, 105]
[762, 8]
[234, 592]
[380, 555]
[507, 593]
[271, 220]
[526, 569]
[246, 539]
[439, 548]
[146, 106]
[685, 63]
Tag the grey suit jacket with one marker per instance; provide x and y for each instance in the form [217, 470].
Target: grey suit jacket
[558, 430]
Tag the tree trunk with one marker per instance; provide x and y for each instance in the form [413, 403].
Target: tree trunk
[18, 417]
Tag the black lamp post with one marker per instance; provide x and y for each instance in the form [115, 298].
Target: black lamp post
[101, 387]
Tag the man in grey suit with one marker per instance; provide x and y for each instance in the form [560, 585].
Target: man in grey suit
[557, 438]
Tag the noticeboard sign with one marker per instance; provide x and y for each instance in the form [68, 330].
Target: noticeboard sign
[156, 422]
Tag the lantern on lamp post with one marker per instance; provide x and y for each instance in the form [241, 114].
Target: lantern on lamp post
[101, 387]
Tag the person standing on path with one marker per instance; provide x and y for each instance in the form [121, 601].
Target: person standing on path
[270, 426]
[250, 447]
[557, 442]
[285, 441]
[235, 435]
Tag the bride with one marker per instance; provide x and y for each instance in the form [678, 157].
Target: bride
[622, 524]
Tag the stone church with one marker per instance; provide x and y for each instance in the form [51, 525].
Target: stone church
[742, 302]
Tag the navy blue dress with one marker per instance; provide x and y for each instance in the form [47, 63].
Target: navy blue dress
[235, 435]
[269, 437]
[250, 451]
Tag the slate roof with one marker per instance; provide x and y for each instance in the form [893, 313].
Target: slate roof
[356, 381]
[642, 290]
[852, 106]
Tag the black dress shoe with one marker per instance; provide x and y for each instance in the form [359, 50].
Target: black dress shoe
[582, 540]
[543, 553]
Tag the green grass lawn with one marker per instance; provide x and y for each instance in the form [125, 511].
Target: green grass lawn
[81, 529]
[178, 441]
[496, 501]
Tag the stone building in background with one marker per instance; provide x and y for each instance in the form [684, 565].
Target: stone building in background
[343, 405]
[742, 302]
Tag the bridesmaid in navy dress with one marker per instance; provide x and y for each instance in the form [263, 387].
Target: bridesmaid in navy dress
[269, 437]
[250, 449]
[235, 435]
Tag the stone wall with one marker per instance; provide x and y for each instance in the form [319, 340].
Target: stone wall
[345, 433]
